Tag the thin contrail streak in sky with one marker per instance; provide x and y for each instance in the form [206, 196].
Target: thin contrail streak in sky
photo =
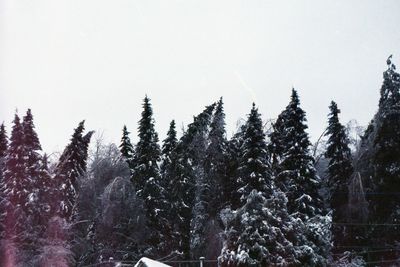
[246, 86]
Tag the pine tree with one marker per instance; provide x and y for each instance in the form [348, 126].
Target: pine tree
[126, 147]
[47, 192]
[189, 152]
[202, 185]
[32, 149]
[231, 186]
[3, 149]
[215, 160]
[147, 180]
[259, 233]
[276, 147]
[3, 155]
[71, 166]
[170, 143]
[385, 202]
[167, 169]
[254, 169]
[339, 170]
[296, 175]
[167, 163]
[13, 185]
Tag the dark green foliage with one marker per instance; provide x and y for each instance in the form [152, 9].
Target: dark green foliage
[33, 160]
[231, 184]
[339, 171]
[71, 166]
[215, 160]
[190, 153]
[386, 157]
[3, 141]
[147, 181]
[3, 152]
[169, 144]
[295, 173]
[254, 170]
[14, 183]
[126, 147]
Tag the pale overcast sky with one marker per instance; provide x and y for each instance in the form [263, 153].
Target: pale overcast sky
[70, 60]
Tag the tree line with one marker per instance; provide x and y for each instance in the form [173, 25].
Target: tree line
[259, 198]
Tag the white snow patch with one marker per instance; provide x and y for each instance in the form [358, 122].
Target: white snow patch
[146, 262]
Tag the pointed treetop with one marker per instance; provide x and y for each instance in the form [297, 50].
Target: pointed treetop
[334, 108]
[16, 132]
[3, 141]
[390, 90]
[294, 98]
[31, 139]
[45, 162]
[126, 147]
[389, 62]
[171, 141]
[334, 113]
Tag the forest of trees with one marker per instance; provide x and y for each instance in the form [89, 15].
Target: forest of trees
[265, 197]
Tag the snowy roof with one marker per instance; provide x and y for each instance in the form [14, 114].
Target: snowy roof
[146, 262]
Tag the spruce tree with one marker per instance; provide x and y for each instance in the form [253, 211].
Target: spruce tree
[258, 234]
[3, 146]
[188, 156]
[168, 150]
[32, 149]
[339, 170]
[147, 180]
[3, 149]
[71, 166]
[295, 173]
[385, 201]
[296, 177]
[3, 154]
[47, 192]
[202, 186]
[126, 147]
[169, 144]
[13, 185]
[215, 160]
[276, 147]
[254, 169]
[231, 186]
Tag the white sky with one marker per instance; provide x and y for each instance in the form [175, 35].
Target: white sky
[70, 60]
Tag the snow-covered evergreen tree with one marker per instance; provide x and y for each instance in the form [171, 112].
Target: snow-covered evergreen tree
[254, 169]
[147, 180]
[14, 184]
[295, 173]
[168, 155]
[183, 189]
[167, 168]
[71, 166]
[339, 171]
[3, 149]
[3, 154]
[382, 152]
[296, 177]
[202, 185]
[47, 192]
[215, 160]
[32, 149]
[169, 143]
[126, 146]
[234, 153]
[261, 233]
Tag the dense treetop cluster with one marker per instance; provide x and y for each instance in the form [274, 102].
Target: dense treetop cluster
[261, 198]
